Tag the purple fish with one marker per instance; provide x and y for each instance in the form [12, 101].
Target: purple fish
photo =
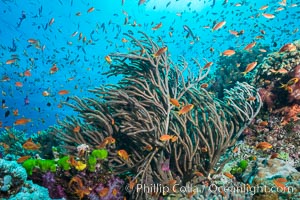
[26, 100]
[165, 166]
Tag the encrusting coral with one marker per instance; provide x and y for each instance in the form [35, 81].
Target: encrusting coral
[13, 183]
[158, 122]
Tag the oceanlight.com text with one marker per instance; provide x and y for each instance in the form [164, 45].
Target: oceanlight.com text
[243, 189]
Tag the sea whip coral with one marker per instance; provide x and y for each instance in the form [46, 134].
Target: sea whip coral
[137, 112]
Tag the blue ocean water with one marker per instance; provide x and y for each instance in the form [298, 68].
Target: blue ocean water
[80, 64]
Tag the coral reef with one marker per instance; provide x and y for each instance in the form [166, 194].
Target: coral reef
[12, 176]
[31, 191]
[14, 184]
[158, 123]
[277, 76]
[85, 178]
[12, 140]
[229, 69]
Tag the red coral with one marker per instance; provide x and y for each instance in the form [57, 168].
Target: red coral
[290, 113]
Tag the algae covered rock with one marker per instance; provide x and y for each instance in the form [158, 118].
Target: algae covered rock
[273, 168]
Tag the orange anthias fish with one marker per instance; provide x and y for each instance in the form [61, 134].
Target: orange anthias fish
[167, 137]
[53, 69]
[148, 147]
[63, 92]
[252, 98]
[235, 33]
[264, 7]
[282, 3]
[291, 82]
[123, 154]
[30, 145]
[249, 68]
[23, 158]
[228, 52]
[174, 102]
[280, 71]
[197, 173]
[90, 9]
[207, 65]
[204, 85]
[45, 93]
[27, 73]
[10, 61]
[106, 141]
[76, 129]
[160, 52]
[32, 41]
[219, 25]
[22, 121]
[250, 46]
[186, 109]
[108, 59]
[274, 155]
[263, 123]
[263, 145]
[229, 175]
[279, 9]
[268, 16]
[16, 112]
[288, 48]
[157, 26]
[19, 84]
[4, 145]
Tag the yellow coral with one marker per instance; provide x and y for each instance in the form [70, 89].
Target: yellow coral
[80, 166]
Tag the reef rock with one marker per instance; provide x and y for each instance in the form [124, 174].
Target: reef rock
[13, 183]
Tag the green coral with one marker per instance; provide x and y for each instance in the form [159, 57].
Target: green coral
[243, 164]
[96, 154]
[283, 155]
[29, 165]
[240, 168]
[100, 153]
[46, 165]
[64, 163]
[92, 163]
[43, 165]
[51, 165]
